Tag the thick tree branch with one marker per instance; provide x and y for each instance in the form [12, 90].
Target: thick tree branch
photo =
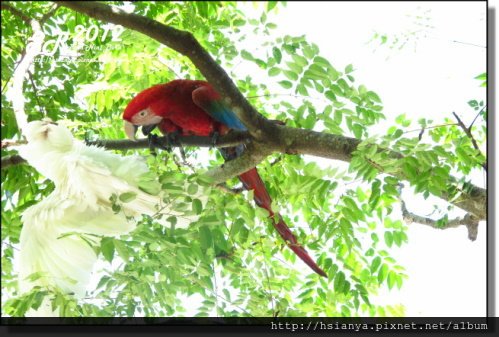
[252, 156]
[231, 139]
[275, 137]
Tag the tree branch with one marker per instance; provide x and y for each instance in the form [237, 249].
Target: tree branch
[469, 221]
[233, 138]
[251, 157]
[470, 136]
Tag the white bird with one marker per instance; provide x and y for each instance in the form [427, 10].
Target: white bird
[57, 233]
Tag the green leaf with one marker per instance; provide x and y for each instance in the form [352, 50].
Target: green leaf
[358, 130]
[375, 264]
[192, 189]
[285, 84]
[392, 277]
[246, 55]
[107, 248]
[290, 74]
[388, 238]
[274, 71]
[300, 60]
[121, 249]
[127, 196]
[205, 237]
[330, 95]
[383, 273]
[339, 281]
[348, 69]
[271, 5]
[373, 96]
[337, 90]
[397, 238]
[239, 22]
[277, 54]
[197, 206]
[482, 77]
[473, 103]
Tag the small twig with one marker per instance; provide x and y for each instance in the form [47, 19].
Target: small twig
[10, 245]
[468, 133]
[420, 136]
[225, 188]
[478, 114]
[468, 44]
[431, 127]
[36, 93]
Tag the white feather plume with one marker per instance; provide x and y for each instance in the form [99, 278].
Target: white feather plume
[56, 232]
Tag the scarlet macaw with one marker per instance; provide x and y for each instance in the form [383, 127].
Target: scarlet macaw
[194, 108]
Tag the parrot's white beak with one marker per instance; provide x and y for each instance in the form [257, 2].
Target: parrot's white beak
[130, 130]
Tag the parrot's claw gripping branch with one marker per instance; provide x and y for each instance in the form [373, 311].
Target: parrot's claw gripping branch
[214, 138]
[172, 139]
[153, 143]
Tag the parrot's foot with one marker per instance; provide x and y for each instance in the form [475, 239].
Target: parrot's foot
[172, 140]
[214, 138]
[152, 141]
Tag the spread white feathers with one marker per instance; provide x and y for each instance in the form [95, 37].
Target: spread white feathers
[56, 231]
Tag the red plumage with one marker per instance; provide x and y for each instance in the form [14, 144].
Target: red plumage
[173, 101]
[195, 108]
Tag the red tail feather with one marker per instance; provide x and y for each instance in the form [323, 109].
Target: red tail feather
[252, 181]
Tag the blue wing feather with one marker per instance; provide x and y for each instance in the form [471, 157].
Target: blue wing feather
[208, 100]
[221, 113]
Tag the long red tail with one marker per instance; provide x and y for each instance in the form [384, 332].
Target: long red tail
[252, 181]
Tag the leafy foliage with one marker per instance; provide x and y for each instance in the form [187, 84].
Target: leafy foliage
[231, 257]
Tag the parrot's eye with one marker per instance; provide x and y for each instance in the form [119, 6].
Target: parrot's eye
[142, 113]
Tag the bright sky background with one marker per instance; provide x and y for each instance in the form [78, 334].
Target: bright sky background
[428, 79]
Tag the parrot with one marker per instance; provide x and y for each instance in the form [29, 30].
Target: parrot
[58, 231]
[193, 107]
